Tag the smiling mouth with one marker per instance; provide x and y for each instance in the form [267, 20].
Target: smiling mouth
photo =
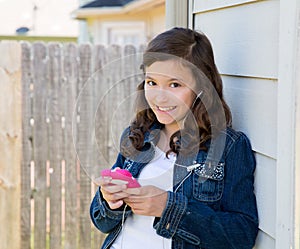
[166, 109]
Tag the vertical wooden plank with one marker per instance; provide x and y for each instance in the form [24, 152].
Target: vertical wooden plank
[55, 143]
[26, 146]
[71, 68]
[99, 149]
[114, 53]
[131, 77]
[83, 146]
[99, 89]
[10, 144]
[101, 108]
[40, 74]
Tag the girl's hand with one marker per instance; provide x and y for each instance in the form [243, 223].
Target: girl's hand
[112, 193]
[146, 200]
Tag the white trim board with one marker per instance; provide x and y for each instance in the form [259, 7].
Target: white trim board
[288, 78]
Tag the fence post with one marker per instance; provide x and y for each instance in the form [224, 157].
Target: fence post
[10, 144]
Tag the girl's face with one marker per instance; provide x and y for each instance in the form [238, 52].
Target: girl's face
[168, 91]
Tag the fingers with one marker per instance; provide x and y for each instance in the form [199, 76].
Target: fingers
[150, 206]
[114, 199]
[102, 180]
[112, 193]
[116, 204]
[134, 191]
[145, 191]
[113, 188]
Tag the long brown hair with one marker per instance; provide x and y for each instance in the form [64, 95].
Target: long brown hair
[210, 111]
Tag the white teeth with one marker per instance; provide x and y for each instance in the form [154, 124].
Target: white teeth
[166, 109]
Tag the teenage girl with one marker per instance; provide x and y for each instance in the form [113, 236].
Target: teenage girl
[195, 171]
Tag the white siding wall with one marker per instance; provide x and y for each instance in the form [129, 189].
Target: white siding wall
[245, 39]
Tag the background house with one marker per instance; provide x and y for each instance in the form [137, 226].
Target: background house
[120, 21]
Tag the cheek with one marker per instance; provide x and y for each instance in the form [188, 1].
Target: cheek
[148, 96]
[187, 99]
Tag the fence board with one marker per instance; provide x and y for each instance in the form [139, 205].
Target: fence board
[55, 143]
[84, 144]
[101, 108]
[132, 75]
[69, 90]
[26, 146]
[99, 147]
[10, 144]
[40, 150]
[114, 53]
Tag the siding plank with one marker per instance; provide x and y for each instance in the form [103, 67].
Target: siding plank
[265, 190]
[253, 103]
[264, 241]
[245, 42]
[207, 5]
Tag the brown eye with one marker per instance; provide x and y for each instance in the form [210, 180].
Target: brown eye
[150, 82]
[174, 85]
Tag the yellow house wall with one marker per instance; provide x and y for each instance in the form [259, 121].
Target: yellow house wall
[153, 19]
[156, 22]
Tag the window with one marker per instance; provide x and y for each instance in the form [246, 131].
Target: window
[122, 33]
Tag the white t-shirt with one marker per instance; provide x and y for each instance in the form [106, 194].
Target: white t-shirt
[138, 231]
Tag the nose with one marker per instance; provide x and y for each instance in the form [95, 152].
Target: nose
[161, 95]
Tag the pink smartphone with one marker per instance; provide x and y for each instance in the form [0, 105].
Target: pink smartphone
[121, 176]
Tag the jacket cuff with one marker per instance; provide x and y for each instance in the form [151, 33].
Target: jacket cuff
[167, 224]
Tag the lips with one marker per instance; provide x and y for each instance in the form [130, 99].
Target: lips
[165, 108]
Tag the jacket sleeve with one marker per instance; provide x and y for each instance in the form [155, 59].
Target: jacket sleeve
[104, 218]
[234, 224]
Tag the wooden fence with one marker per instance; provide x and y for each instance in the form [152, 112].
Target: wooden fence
[76, 99]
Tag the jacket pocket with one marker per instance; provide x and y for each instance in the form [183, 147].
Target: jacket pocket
[208, 182]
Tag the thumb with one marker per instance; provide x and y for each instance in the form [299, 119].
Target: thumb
[115, 204]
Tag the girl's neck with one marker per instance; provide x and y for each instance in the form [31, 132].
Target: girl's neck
[164, 139]
[169, 130]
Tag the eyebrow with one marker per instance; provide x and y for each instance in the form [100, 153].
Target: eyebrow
[172, 79]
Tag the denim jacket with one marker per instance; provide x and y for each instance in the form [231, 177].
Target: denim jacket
[212, 206]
